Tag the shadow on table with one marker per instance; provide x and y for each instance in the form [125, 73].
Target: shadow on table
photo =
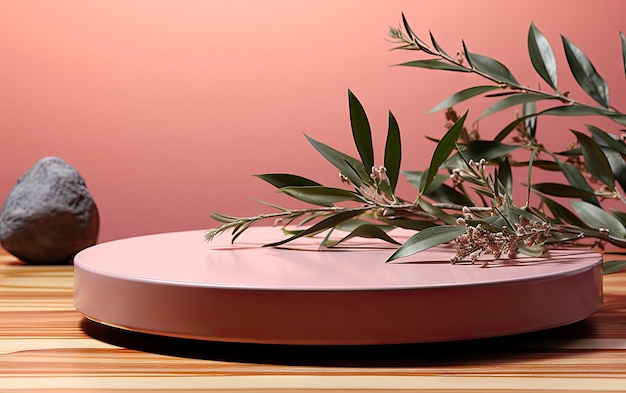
[549, 343]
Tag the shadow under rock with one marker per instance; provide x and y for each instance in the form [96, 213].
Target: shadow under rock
[528, 346]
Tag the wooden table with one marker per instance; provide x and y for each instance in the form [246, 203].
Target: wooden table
[46, 345]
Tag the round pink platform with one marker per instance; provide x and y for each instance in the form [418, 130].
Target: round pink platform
[177, 284]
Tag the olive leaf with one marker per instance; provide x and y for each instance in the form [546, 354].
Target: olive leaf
[369, 231]
[505, 175]
[492, 67]
[620, 216]
[613, 143]
[415, 178]
[280, 180]
[437, 46]
[434, 64]
[349, 166]
[467, 55]
[461, 96]
[420, 44]
[561, 190]
[530, 121]
[542, 56]
[618, 166]
[509, 101]
[320, 195]
[477, 150]
[438, 191]
[585, 73]
[531, 165]
[361, 131]
[393, 152]
[320, 226]
[577, 180]
[595, 159]
[562, 213]
[442, 151]
[597, 218]
[447, 194]
[564, 110]
[427, 238]
[409, 30]
[611, 267]
[437, 212]
[614, 150]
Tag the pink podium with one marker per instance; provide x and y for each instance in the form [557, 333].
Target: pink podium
[177, 284]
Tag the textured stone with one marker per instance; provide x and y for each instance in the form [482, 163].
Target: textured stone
[49, 214]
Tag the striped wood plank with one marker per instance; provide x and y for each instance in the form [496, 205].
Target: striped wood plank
[45, 345]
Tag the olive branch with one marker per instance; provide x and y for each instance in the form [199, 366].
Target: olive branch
[465, 194]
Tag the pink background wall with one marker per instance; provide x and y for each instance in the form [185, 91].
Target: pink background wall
[167, 108]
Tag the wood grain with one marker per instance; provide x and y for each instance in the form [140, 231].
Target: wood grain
[46, 346]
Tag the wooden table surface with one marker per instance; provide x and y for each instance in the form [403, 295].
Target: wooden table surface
[46, 345]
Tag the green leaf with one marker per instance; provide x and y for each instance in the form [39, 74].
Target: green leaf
[531, 251]
[222, 217]
[573, 152]
[574, 110]
[420, 44]
[610, 141]
[416, 225]
[510, 101]
[361, 131]
[442, 151]
[485, 224]
[623, 40]
[513, 214]
[416, 178]
[409, 30]
[620, 216]
[577, 180]
[562, 213]
[427, 238]
[437, 46]
[369, 231]
[438, 191]
[543, 164]
[597, 218]
[492, 67]
[531, 165]
[564, 110]
[393, 152]
[618, 166]
[595, 159]
[350, 167]
[437, 212]
[274, 206]
[620, 119]
[542, 56]
[320, 195]
[505, 176]
[585, 73]
[280, 180]
[461, 96]
[561, 190]
[476, 150]
[447, 194]
[321, 226]
[530, 122]
[611, 267]
[434, 64]
[467, 54]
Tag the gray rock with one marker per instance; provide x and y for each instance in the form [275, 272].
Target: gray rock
[49, 214]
